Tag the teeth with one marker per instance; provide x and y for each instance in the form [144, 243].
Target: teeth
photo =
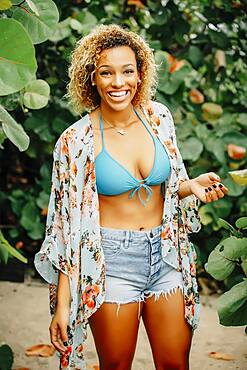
[118, 93]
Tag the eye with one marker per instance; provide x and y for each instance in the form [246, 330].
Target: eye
[129, 71]
[104, 73]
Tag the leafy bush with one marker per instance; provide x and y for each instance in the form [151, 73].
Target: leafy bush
[22, 24]
[228, 261]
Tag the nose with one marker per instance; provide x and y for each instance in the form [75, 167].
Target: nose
[118, 81]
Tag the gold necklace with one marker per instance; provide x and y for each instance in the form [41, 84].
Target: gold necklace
[120, 131]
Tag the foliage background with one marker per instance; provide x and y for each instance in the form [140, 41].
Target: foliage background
[201, 49]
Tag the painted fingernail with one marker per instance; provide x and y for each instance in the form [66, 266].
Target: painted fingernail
[206, 190]
[209, 189]
[220, 185]
[65, 344]
[215, 186]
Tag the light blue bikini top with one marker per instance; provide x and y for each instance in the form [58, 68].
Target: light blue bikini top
[112, 178]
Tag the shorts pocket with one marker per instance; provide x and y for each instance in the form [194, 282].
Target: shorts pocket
[111, 247]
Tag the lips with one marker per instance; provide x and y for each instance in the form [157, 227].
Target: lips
[118, 95]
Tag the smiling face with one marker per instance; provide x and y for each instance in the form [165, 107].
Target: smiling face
[116, 77]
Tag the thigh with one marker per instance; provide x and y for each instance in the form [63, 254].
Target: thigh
[168, 331]
[115, 331]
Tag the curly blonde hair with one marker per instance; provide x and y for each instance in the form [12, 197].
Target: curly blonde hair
[81, 93]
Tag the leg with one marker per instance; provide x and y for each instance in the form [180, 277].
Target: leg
[115, 335]
[168, 331]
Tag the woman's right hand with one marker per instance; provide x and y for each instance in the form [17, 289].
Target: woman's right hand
[58, 329]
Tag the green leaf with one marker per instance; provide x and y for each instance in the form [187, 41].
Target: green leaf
[215, 147]
[195, 56]
[241, 223]
[11, 250]
[219, 39]
[234, 188]
[242, 119]
[88, 21]
[40, 27]
[17, 63]
[76, 25]
[36, 94]
[232, 306]
[227, 226]
[191, 149]
[223, 258]
[244, 266]
[7, 357]
[29, 214]
[2, 137]
[43, 200]
[30, 220]
[40, 125]
[13, 130]
[37, 231]
[4, 255]
[5, 4]
[33, 7]
[205, 217]
[175, 80]
[61, 30]
[218, 266]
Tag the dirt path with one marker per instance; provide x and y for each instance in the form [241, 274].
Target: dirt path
[24, 321]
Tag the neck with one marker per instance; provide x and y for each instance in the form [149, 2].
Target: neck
[117, 118]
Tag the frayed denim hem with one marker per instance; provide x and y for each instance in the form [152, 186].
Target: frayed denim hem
[148, 294]
[165, 294]
[139, 300]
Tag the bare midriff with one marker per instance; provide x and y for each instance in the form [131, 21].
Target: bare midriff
[119, 211]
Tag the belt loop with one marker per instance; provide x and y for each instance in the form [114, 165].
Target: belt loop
[126, 238]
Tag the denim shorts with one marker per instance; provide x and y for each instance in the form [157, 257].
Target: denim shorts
[135, 269]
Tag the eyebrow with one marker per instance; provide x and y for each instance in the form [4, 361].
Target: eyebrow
[105, 65]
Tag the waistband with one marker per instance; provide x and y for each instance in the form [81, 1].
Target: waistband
[122, 234]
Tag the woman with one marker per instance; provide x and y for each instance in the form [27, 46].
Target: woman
[121, 207]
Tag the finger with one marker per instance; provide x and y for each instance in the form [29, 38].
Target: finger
[223, 188]
[61, 342]
[64, 335]
[218, 190]
[214, 177]
[213, 193]
[207, 195]
[55, 339]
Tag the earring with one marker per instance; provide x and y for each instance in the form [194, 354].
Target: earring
[139, 81]
[93, 83]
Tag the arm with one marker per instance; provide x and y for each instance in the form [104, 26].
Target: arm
[63, 291]
[184, 189]
[58, 326]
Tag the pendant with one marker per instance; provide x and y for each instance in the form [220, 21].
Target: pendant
[121, 132]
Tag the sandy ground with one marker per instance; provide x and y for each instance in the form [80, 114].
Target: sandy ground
[24, 321]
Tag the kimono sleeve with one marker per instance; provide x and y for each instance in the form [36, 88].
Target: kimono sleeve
[188, 205]
[53, 255]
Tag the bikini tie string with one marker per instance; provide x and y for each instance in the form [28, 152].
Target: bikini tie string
[137, 189]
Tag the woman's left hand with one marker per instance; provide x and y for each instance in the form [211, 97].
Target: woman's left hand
[207, 187]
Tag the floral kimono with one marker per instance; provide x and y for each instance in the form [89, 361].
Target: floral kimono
[72, 242]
